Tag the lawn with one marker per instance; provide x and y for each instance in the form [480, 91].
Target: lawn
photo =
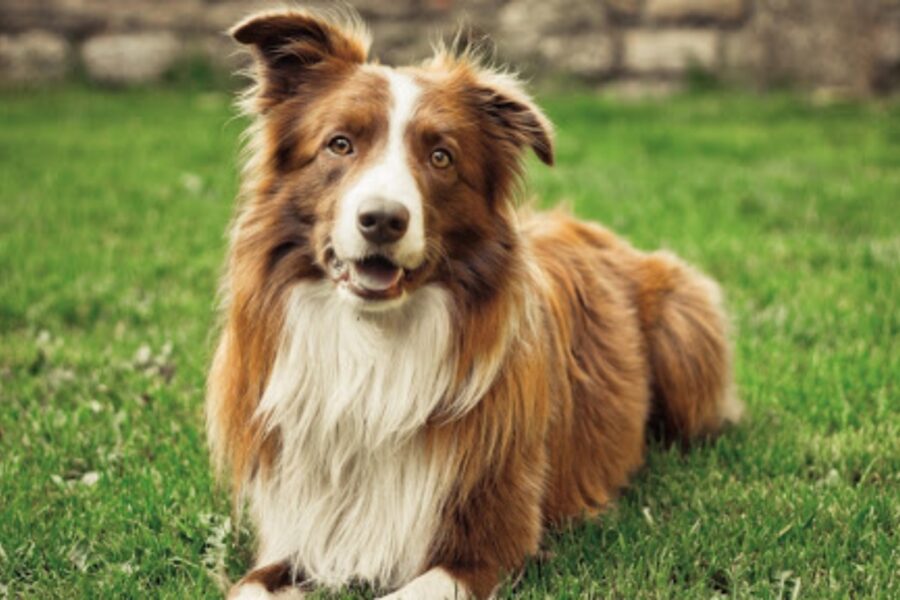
[113, 207]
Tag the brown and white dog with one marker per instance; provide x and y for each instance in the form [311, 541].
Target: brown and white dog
[415, 378]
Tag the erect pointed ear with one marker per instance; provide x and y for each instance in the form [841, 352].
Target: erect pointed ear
[293, 46]
[512, 114]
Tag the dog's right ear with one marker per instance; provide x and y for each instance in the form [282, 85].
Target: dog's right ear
[294, 47]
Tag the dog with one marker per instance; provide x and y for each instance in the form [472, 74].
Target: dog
[416, 377]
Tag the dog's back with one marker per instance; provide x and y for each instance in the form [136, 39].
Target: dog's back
[639, 336]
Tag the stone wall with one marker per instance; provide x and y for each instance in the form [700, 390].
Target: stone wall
[634, 46]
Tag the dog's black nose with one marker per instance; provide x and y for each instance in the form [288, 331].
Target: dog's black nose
[382, 221]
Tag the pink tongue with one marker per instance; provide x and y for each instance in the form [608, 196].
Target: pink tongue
[376, 275]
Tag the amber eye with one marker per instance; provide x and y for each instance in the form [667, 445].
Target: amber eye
[441, 159]
[340, 145]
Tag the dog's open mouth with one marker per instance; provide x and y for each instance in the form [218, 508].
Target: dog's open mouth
[375, 274]
[375, 277]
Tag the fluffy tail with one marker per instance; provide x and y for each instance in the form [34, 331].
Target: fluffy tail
[687, 343]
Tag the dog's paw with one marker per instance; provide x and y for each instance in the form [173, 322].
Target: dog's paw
[436, 584]
[256, 591]
[249, 591]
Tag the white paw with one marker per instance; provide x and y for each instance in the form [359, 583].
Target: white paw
[256, 591]
[249, 591]
[289, 593]
[436, 584]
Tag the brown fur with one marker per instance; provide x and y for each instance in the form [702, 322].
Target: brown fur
[602, 336]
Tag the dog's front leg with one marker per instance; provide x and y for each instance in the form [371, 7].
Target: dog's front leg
[434, 584]
[271, 582]
[486, 534]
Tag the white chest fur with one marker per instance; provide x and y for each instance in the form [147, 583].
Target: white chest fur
[353, 494]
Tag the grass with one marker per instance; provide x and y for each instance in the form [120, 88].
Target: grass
[112, 212]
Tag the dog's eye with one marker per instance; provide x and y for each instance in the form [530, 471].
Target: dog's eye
[340, 145]
[441, 159]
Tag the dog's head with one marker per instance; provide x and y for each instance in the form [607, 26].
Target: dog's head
[383, 179]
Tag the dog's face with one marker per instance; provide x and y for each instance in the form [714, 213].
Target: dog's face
[386, 179]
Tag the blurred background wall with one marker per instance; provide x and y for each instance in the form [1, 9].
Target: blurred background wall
[635, 47]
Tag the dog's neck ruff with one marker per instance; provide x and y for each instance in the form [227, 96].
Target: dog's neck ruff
[354, 493]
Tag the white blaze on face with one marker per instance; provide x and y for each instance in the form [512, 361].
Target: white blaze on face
[390, 178]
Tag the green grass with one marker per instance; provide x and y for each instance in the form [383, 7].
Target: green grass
[113, 208]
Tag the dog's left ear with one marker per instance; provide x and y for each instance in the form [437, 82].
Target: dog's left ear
[512, 115]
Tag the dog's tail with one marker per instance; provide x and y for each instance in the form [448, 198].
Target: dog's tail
[688, 348]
